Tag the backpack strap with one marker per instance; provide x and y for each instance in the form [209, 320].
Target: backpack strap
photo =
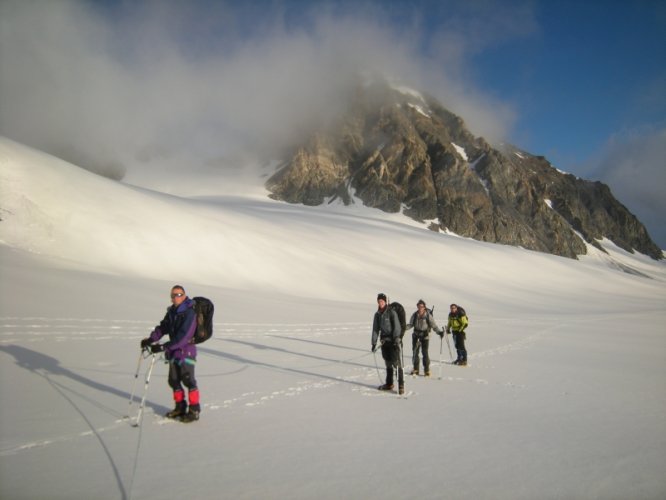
[389, 311]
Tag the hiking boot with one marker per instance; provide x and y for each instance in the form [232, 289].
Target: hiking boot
[177, 412]
[427, 373]
[190, 416]
[462, 363]
[385, 387]
[415, 371]
[401, 389]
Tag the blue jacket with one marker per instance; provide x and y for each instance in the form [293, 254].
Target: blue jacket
[179, 323]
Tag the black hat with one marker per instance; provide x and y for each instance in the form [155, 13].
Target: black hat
[382, 296]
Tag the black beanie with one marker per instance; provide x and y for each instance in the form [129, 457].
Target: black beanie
[382, 296]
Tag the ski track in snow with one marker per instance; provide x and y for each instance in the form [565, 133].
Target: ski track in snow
[39, 329]
[524, 343]
[363, 377]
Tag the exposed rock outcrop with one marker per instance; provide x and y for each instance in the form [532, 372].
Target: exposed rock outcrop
[397, 150]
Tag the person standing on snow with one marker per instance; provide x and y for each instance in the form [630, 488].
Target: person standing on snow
[386, 327]
[422, 322]
[180, 323]
[457, 324]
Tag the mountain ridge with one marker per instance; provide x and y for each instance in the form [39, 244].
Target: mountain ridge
[400, 150]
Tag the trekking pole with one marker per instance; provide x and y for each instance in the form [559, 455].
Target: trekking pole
[145, 392]
[399, 367]
[374, 353]
[136, 377]
[441, 345]
[448, 345]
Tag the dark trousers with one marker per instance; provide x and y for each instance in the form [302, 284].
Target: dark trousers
[420, 342]
[459, 340]
[391, 355]
[182, 374]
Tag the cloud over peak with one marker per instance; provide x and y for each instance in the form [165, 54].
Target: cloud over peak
[111, 81]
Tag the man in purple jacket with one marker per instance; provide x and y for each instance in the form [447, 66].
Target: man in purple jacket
[179, 323]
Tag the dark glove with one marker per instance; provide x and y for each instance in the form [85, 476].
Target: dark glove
[155, 348]
[448, 330]
[374, 347]
[397, 343]
[441, 333]
[145, 343]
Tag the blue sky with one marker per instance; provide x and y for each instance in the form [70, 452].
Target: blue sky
[589, 89]
[580, 82]
[590, 70]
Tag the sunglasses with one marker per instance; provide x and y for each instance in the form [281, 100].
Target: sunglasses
[177, 295]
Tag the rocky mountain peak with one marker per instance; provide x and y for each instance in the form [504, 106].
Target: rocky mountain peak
[399, 150]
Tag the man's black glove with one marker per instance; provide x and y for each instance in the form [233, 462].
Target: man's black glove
[145, 343]
[374, 347]
[441, 333]
[155, 348]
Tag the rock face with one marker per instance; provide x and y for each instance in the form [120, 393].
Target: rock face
[395, 150]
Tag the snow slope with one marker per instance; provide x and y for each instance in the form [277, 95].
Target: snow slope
[563, 398]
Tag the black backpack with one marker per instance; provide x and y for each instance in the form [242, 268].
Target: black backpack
[204, 309]
[400, 311]
[461, 312]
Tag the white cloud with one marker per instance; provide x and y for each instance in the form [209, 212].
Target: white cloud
[632, 164]
[101, 85]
